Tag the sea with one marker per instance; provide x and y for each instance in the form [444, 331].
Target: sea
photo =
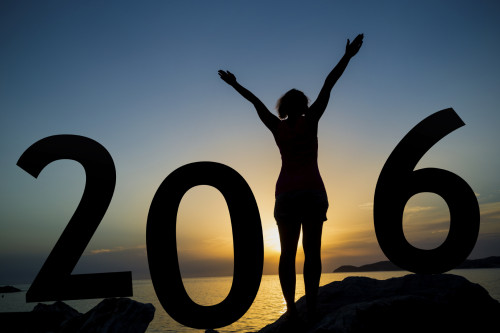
[268, 306]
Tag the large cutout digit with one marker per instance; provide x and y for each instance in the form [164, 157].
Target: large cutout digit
[398, 182]
[54, 281]
[247, 243]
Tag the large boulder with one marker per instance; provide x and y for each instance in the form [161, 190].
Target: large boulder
[44, 318]
[112, 315]
[49, 317]
[413, 303]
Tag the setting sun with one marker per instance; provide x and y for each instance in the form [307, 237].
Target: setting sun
[272, 239]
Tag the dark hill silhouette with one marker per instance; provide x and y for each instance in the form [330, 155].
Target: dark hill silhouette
[490, 262]
[9, 289]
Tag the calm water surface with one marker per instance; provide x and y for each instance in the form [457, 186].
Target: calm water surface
[268, 306]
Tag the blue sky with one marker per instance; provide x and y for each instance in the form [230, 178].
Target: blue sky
[141, 79]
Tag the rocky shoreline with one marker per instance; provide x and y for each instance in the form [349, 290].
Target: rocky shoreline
[112, 315]
[412, 303]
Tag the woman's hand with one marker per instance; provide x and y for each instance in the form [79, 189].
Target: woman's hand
[352, 48]
[228, 77]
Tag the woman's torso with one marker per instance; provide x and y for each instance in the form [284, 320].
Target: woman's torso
[298, 144]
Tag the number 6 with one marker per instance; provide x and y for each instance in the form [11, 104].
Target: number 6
[398, 182]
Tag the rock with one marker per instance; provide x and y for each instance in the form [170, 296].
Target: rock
[413, 303]
[9, 289]
[44, 318]
[61, 308]
[112, 315]
[49, 317]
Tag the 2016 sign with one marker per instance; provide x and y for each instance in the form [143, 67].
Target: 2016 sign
[397, 183]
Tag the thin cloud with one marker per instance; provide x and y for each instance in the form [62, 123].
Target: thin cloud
[418, 209]
[412, 210]
[366, 206]
[101, 251]
[115, 249]
[490, 210]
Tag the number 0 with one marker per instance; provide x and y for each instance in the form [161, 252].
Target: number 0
[247, 243]
[398, 182]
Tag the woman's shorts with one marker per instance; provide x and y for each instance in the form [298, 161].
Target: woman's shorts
[301, 206]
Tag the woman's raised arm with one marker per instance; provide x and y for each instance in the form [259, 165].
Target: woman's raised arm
[319, 106]
[270, 120]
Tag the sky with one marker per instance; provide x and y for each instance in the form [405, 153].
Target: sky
[141, 79]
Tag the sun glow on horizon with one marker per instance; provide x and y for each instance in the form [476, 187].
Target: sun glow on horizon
[272, 240]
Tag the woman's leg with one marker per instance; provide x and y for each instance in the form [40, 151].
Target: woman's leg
[311, 242]
[289, 237]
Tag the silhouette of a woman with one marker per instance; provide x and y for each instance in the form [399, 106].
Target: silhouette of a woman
[301, 198]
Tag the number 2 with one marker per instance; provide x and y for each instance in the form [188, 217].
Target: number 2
[54, 280]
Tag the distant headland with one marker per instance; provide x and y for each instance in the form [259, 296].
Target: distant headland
[9, 289]
[490, 262]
